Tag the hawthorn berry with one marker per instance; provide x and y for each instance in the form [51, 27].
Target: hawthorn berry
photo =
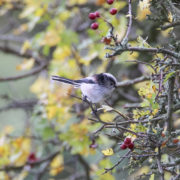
[32, 158]
[94, 26]
[92, 16]
[97, 14]
[123, 146]
[113, 11]
[131, 146]
[127, 141]
[110, 1]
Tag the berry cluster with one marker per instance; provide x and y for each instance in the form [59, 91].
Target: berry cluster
[127, 144]
[94, 15]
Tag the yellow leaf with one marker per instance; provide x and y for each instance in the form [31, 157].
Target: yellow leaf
[170, 17]
[56, 165]
[40, 11]
[25, 47]
[40, 85]
[166, 32]
[61, 53]
[108, 152]
[107, 117]
[4, 150]
[65, 15]
[51, 38]
[143, 9]
[51, 111]
[72, 2]
[151, 177]
[154, 88]
[26, 64]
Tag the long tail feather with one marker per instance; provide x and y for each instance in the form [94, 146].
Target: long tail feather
[64, 80]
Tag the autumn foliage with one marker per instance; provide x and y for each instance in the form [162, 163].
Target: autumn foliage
[135, 134]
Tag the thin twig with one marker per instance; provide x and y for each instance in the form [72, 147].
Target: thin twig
[141, 62]
[125, 39]
[160, 84]
[133, 81]
[166, 26]
[159, 164]
[121, 159]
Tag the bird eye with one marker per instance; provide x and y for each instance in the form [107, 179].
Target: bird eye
[111, 83]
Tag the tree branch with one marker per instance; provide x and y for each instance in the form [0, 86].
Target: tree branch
[85, 165]
[38, 162]
[166, 26]
[25, 104]
[170, 103]
[125, 39]
[119, 49]
[30, 73]
[133, 81]
[43, 62]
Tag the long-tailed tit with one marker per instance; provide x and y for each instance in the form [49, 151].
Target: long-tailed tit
[95, 88]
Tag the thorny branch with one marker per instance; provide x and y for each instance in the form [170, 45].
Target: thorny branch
[170, 103]
[119, 49]
[125, 39]
[145, 139]
[115, 165]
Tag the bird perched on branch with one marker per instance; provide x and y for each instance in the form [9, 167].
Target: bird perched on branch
[94, 88]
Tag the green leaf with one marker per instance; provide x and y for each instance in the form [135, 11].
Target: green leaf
[47, 133]
[169, 75]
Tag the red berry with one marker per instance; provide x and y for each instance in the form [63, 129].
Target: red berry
[110, 1]
[32, 158]
[97, 14]
[94, 26]
[127, 141]
[131, 146]
[123, 146]
[92, 16]
[113, 11]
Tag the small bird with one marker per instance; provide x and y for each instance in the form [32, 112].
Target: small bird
[95, 88]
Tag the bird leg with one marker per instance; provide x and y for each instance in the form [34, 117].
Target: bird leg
[94, 110]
